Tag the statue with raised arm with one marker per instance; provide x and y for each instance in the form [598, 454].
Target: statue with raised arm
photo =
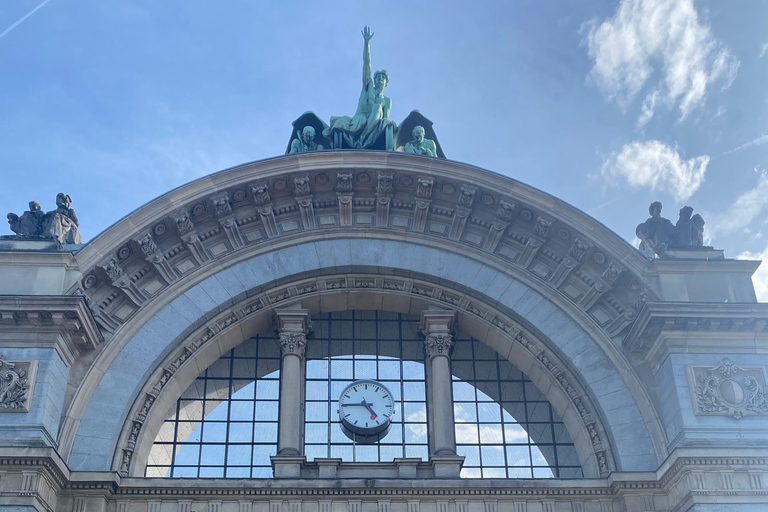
[372, 116]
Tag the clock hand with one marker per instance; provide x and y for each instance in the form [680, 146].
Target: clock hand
[368, 406]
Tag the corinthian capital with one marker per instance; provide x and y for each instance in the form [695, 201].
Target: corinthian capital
[438, 345]
[293, 343]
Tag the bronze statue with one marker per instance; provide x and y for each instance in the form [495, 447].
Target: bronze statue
[420, 145]
[305, 141]
[372, 117]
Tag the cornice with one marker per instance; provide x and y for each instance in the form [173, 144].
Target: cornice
[66, 316]
[663, 319]
[242, 209]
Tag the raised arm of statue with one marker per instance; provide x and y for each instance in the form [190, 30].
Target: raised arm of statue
[367, 35]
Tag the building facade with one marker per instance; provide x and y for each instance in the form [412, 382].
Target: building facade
[191, 357]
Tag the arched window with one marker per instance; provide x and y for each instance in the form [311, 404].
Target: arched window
[505, 427]
[226, 422]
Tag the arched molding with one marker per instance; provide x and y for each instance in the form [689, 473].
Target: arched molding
[541, 312]
[248, 317]
[126, 268]
[336, 251]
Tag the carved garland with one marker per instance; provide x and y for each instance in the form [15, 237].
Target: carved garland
[269, 299]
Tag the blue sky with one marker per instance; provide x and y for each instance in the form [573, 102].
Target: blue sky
[608, 105]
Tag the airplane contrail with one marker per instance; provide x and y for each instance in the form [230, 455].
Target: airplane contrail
[30, 13]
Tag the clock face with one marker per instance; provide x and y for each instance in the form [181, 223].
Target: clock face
[365, 409]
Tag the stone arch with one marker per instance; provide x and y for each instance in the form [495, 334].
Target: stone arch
[141, 354]
[174, 362]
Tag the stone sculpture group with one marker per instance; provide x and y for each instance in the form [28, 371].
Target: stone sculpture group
[60, 224]
[370, 125]
[658, 234]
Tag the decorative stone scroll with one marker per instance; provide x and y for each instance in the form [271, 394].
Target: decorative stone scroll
[728, 390]
[16, 380]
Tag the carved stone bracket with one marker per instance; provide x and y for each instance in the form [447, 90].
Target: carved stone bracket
[462, 211]
[156, 258]
[384, 193]
[571, 261]
[504, 215]
[728, 389]
[222, 210]
[303, 196]
[601, 285]
[123, 281]
[422, 203]
[263, 203]
[344, 193]
[535, 241]
[190, 237]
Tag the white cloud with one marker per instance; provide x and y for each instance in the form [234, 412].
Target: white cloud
[763, 50]
[760, 277]
[746, 207]
[654, 164]
[757, 141]
[648, 108]
[644, 35]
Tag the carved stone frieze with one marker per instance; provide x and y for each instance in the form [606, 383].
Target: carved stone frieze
[728, 389]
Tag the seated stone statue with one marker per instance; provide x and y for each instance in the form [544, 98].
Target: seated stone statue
[30, 223]
[420, 145]
[372, 117]
[657, 233]
[305, 141]
[61, 224]
[698, 230]
[684, 229]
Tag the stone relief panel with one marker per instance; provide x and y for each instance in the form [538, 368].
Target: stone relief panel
[16, 381]
[728, 390]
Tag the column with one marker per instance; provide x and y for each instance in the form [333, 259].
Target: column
[437, 325]
[293, 325]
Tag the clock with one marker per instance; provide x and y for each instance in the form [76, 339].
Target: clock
[365, 410]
